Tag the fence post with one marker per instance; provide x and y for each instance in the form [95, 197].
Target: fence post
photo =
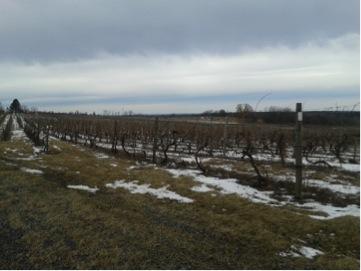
[155, 142]
[298, 150]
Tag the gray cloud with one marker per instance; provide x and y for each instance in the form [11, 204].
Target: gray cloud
[51, 31]
[326, 68]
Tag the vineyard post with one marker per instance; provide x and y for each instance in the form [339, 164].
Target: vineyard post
[46, 141]
[298, 150]
[155, 142]
[225, 134]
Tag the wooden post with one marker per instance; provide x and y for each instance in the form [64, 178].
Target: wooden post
[155, 141]
[225, 135]
[46, 141]
[298, 150]
[115, 137]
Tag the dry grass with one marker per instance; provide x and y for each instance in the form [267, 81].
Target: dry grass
[46, 225]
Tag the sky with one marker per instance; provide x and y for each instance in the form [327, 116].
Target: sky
[181, 56]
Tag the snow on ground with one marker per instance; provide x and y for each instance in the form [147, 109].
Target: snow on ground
[336, 186]
[30, 158]
[309, 252]
[344, 166]
[160, 193]
[53, 138]
[339, 188]
[37, 150]
[17, 132]
[34, 156]
[83, 187]
[230, 186]
[303, 251]
[57, 147]
[330, 210]
[32, 171]
[113, 164]
[351, 167]
[140, 165]
[226, 186]
[225, 167]
[100, 155]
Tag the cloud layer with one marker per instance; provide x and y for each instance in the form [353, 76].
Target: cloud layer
[148, 54]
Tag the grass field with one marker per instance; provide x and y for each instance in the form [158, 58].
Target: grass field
[46, 224]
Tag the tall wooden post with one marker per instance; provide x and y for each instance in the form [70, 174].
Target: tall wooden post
[225, 135]
[155, 140]
[115, 137]
[298, 150]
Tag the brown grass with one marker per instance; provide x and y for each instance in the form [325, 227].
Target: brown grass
[45, 225]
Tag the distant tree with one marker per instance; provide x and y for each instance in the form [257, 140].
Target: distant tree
[222, 112]
[15, 106]
[208, 112]
[2, 109]
[244, 108]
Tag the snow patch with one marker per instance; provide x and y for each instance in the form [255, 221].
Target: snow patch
[100, 155]
[230, 186]
[309, 252]
[303, 251]
[32, 171]
[338, 188]
[330, 210]
[56, 147]
[344, 188]
[201, 188]
[83, 187]
[351, 167]
[37, 150]
[227, 186]
[160, 193]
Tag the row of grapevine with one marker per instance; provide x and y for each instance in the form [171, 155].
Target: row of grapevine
[159, 140]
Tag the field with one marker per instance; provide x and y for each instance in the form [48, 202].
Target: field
[117, 193]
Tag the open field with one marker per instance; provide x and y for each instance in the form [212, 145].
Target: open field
[79, 207]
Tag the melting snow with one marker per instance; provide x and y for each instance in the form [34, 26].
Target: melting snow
[227, 186]
[340, 188]
[101, 155]
[309, 252]
[32, 171]
[37, 150]
[83, 187]
[303, 251]
[330, 210]
[18, 134]
[351, 167]
[160, 193]
[344, 188]
[230, 186]
[56, 147]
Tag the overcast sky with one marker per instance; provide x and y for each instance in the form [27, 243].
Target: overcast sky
[179, 56]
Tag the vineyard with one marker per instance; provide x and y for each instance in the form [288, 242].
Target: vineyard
[162, 141]
[214, 173]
